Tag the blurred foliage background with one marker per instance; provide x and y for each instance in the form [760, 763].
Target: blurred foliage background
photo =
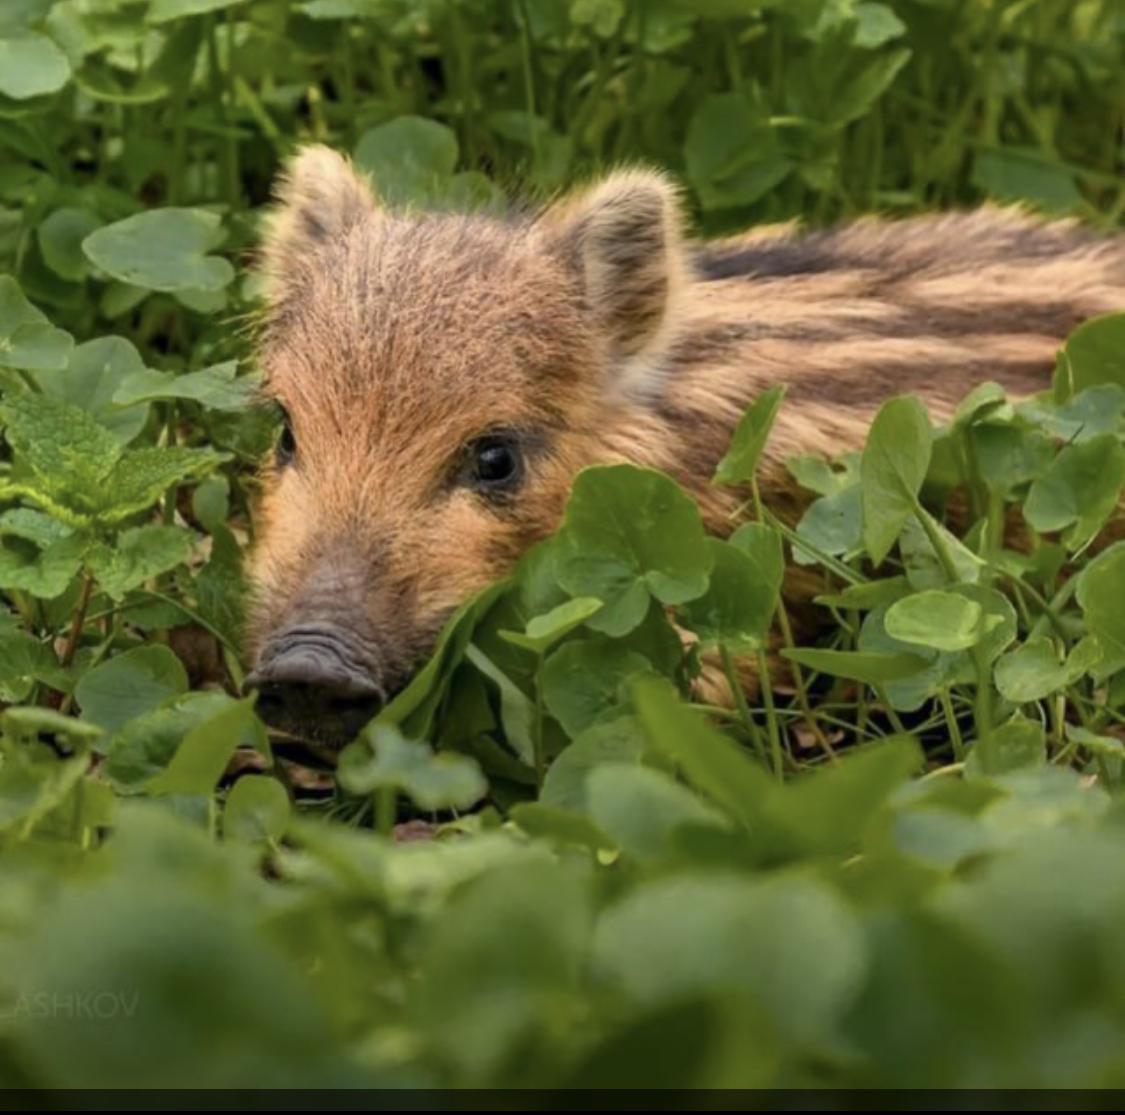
[807, 108]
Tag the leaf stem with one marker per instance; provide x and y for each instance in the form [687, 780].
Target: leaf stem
[78, 620]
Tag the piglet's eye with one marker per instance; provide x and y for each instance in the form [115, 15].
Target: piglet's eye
[286, 444]
[495, 465]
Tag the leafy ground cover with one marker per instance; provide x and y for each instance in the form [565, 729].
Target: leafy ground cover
[898, 864]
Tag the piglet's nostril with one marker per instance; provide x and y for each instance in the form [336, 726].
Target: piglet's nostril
[314, 687]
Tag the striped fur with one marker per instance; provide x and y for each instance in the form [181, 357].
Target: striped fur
[595, 333]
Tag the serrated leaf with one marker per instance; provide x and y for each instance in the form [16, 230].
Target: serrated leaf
[141, 477]
[139, 554]
[71, 455]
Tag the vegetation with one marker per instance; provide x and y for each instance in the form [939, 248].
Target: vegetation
[897, 864]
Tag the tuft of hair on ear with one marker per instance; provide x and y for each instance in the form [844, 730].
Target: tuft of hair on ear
[319, 197]
[625, 237]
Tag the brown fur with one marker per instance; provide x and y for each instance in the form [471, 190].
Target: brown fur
[594, 332]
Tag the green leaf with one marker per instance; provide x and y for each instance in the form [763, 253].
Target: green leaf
[509, 953]
[91, 380]
[257, 810]
[1079, 491]
[24, 660]
[711, 762]
[31, 65]
[1094, 355]
[60, 240]
[984, 401]
[409, 159]
[641, 809]
[517, 713]
[164, 10]
[732, 153]
[719, 936]
[870, 667]
[45, 573]
[415, 707]
[71, 455]
[925, 569]
[82, 472]
[129, 685]
[871, 594]
[1010, 456]
[1096, 410]
[383, 759]
[144, 746]
[868, 86]
[832, 525]
[942, 620]
[40, 722]
[895, 460]
[740, 465]
[1024, 174]
[217, 387]
[546, 630]
[31, 787]
[584, 680]
[1101, 594]
[27, 339]
[546, 822]
[1034, 671]
[162, 249]
[139, 554]
[614, 741]
[738, 606]
[201, 760]
[822, 476]
[828, 811]
[32, 525]
[141, 477]
[876, 24]
[1013, 746]
[630, 533]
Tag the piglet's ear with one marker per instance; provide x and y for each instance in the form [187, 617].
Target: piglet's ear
[320, 196]
[625, 238]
